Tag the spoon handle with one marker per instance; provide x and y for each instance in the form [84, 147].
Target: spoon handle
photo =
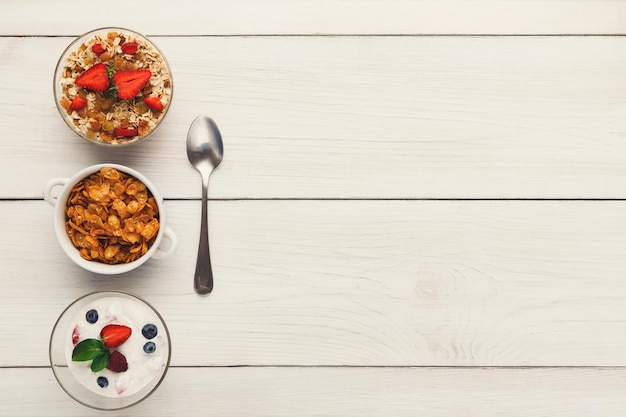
[203, 279]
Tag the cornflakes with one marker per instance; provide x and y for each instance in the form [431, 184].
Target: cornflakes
[111, 217]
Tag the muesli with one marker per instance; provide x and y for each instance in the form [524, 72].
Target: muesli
[115, 87]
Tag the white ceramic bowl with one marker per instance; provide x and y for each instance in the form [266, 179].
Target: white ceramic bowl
[164, 72]
[78, 382]
[59, 203]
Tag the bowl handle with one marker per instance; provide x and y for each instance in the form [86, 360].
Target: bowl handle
[169, 235]
[47, 190]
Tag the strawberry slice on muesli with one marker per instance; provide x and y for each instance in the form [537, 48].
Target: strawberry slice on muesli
[95, 78]
[129, 83]
[154, 103]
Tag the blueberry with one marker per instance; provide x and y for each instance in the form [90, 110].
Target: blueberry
[149, 347]
[103, 382]
[149, 331]
[92, 316]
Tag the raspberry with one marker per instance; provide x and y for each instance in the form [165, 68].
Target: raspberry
[118, 362]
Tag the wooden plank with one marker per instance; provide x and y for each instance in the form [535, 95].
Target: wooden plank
[445, 283]
[245, 17]
[381, 117]
[567, 392]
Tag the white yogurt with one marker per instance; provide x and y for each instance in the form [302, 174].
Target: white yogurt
[143, 367]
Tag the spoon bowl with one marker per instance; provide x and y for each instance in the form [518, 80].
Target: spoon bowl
[205, 151]
[204, 144]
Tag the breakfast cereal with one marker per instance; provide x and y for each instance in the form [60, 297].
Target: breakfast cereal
[111, 217]
[115, 87]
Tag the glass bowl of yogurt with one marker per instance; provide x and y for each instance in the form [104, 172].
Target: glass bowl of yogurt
[110, 350]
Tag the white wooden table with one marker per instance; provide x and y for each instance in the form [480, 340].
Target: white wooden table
[421, 210]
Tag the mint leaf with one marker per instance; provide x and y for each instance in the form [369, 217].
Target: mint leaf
[101, 360]
[112, 92]
[87, 350]
[110, 71]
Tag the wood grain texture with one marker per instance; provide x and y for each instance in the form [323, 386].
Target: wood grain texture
[245, 17]
[359, 117]
[435, 283]
[345, 392]
[389, 231]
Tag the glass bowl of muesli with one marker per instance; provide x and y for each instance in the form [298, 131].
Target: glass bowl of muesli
[113, 86]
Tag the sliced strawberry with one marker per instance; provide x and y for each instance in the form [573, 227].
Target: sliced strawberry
[98, 49]
[114, 335]
[126, 131]
[153, 102]
[129, 47]
[76, 335]
[129, 83]
[117, 362]
[78, 103]
[95, 78]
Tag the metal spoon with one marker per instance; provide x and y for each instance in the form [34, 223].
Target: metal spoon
[205, 152]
